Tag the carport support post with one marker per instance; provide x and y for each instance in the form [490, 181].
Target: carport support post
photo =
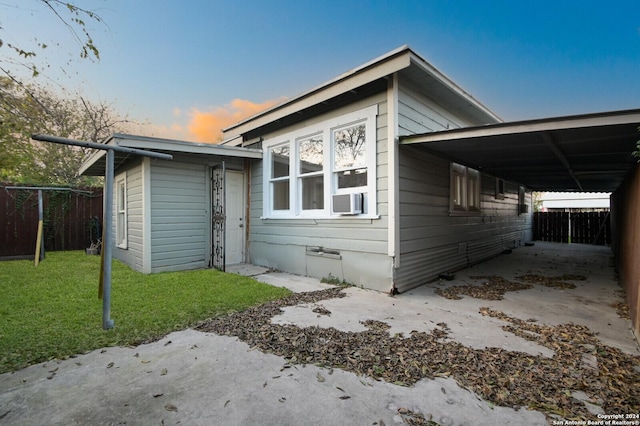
[107, 322]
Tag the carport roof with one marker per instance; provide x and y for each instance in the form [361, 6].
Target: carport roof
[589, 152]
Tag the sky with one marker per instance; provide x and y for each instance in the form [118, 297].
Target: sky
[189, 68]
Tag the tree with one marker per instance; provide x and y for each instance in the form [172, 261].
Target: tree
[25, 110]
[23, 55]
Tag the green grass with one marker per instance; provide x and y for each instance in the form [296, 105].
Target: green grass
[53, 311]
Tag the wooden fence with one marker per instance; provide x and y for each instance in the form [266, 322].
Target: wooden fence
[565, 227]
[72, 219]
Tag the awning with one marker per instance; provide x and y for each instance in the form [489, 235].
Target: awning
[590, 152]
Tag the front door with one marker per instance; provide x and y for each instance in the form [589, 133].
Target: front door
[235, 217]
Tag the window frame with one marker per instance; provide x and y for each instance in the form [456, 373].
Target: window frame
[121, 214]
[465, 190]
[326, 130]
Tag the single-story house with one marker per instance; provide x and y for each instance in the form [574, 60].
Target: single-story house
[386, 177]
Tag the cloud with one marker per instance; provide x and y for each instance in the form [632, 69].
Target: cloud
[206, 126]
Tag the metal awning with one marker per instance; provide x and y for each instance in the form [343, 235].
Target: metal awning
[590, 152]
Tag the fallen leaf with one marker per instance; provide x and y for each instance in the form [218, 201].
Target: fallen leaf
[167, 343]
[345, 397]
[110, 365]
[228, 401]
[156, 395]
[319, 377]
[163, 372]
[170, 407]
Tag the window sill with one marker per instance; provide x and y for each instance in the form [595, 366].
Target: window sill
[324, 218]
[465, 213]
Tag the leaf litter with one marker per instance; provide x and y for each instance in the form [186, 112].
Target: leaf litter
[501, 377]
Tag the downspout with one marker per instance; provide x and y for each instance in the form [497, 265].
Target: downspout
[393, 225]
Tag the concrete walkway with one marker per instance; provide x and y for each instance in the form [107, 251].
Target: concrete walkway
[195, 378]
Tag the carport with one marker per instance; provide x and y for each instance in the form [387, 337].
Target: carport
[580, 153]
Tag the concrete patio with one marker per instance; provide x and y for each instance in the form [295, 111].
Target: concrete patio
[191, 377]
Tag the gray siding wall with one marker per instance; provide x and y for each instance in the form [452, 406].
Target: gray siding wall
[179, 216]
[419, 114]
[431, 240]
[362, 243]
[133, 254]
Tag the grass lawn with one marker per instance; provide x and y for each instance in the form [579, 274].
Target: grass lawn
[53, 311]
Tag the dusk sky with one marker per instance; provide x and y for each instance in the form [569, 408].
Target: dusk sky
[190, 67]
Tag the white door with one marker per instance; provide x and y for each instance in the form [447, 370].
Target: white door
[235, 217]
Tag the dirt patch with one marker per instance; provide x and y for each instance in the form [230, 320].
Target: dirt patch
[581, 362]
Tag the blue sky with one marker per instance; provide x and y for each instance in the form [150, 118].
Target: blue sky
[168, 61]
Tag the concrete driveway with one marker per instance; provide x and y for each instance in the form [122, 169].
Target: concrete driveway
[202, 378]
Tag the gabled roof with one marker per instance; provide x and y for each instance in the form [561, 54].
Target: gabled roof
[368, 78]
[95, 164]
[588, 152]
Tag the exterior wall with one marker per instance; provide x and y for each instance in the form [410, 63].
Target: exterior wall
[179, 216]
[354, 249]
[625, 224]
[419, 114]
[431, 240]
[133, 254]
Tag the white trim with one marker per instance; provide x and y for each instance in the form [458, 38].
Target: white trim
[121, 240]
[146, 215]
[393, 177]
[326, 128]
[470, 185]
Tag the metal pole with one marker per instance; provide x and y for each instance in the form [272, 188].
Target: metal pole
[107, 322]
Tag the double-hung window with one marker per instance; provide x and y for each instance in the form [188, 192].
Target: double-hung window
[305, 168]
[280, 164]
[464, 195]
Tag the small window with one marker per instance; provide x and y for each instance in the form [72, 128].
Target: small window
[121, 213]
[280, 159]
[465, 190]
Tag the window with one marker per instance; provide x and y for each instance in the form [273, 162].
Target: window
[311, 172]
[280, 157]
[464, 194]
[499, 189]
[349, 157]
[121, 212]
[304, 168]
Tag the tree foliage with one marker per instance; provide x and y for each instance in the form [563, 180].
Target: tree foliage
[25, 110]
[21, 55]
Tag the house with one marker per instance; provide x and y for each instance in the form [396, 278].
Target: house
[575, 201]
[386, 177]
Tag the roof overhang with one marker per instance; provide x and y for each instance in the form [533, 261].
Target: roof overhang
[590, 152]
[362, 81]
[95, 164]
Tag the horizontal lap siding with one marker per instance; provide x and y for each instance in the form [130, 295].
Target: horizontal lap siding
[430, 238]
[179, 216]
[419, 114]
[354, 235]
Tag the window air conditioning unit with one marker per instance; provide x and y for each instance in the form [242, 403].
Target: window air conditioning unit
[346, 204]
